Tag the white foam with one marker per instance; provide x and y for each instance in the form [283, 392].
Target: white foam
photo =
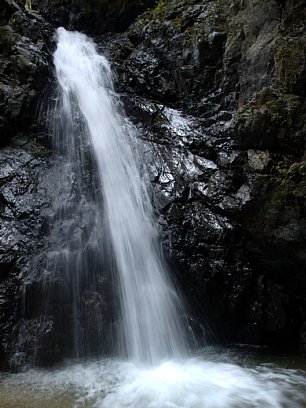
[192, 383]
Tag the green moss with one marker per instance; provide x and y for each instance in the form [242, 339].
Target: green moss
[142, 22]
[28, 5]
[161, 7]
[290, 63]
[159, 12]
[40, 150]
[177, 22]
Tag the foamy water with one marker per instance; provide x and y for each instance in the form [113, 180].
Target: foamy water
[190, 383]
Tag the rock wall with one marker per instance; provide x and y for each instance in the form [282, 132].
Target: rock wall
[218, 92]
[92, 16]
[25, 72]
[221, 95]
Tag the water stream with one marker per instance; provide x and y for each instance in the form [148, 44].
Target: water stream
[151, 309]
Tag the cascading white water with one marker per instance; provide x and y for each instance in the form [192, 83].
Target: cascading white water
[151, 308]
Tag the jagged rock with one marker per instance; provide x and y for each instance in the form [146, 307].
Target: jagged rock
[24, 66]
[94, 16]
[25, 70]
[274, 121]
[259, 160]
[23, 198]
[236, 72]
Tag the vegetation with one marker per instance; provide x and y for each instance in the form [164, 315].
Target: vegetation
[28, 5]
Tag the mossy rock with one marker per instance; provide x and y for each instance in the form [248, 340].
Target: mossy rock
[272, 121]
[8, 38]
[290, 65]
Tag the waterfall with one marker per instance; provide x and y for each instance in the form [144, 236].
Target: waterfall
[151, 309]
[102, 229]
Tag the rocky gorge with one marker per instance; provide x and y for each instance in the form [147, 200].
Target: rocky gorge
[217, 92]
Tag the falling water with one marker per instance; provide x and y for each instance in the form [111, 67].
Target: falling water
[150, 306]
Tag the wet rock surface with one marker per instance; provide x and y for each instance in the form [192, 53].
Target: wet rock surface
[24, 204]
[24, 65]
[93, 16]
[217, 91]
[221, 99]
[24, 157]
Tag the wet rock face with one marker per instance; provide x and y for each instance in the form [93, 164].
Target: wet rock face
[172, 54]
[226, 138]
[23, 201]
[93, 16]
[24, 66]
[197, 191]
[25, 72]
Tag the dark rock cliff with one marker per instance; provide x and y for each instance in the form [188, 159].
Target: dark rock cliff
[218, 91]
[94, 16]
[228, 156]
[24, 78]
